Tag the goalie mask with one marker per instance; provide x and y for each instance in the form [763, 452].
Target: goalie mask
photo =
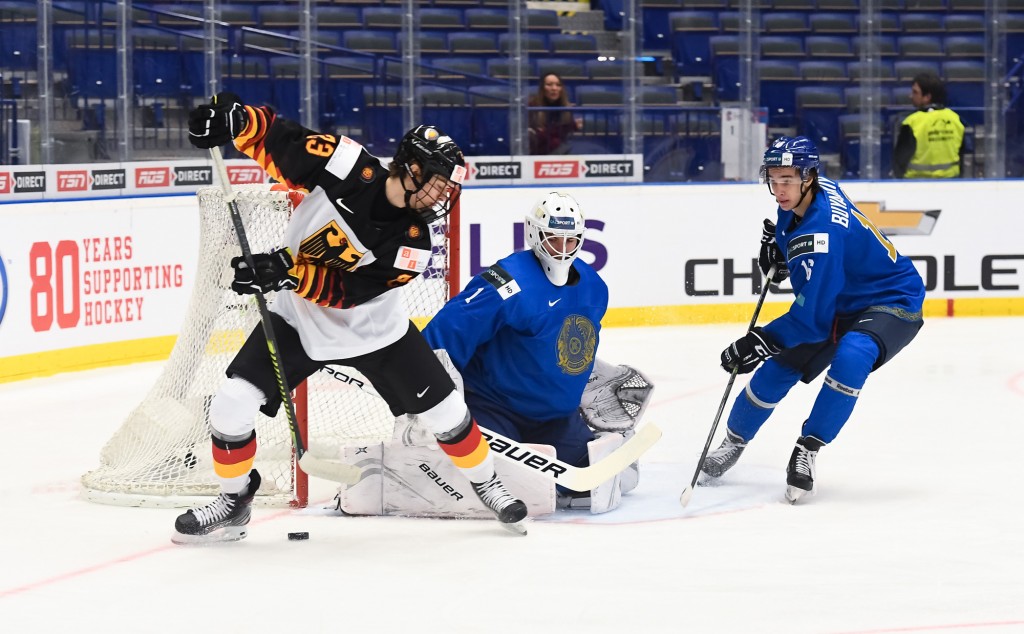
[554, 231]
[436, 154]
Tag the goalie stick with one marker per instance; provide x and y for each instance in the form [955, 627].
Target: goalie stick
[580, 479]
[684, 497]
[328, 470]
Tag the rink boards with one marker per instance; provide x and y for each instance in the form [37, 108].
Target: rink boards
[93, 282]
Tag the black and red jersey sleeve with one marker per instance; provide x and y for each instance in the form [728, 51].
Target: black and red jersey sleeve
[290, 153]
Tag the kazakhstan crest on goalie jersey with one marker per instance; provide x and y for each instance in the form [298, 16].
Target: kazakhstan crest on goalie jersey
[577, 342]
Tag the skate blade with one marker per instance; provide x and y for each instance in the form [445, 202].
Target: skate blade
[794, 494]
[516, 528]
[223, 535]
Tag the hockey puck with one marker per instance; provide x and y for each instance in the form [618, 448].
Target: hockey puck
[295, 537]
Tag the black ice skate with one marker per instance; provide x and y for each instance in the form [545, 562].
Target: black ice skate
[223, 520]
[800, 472]
[509, 510]
[722, 459]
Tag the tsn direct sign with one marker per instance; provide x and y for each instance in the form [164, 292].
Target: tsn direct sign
[121, 179]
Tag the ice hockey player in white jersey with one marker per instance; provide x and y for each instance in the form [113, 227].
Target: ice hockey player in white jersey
[521, 340]
[359, 234]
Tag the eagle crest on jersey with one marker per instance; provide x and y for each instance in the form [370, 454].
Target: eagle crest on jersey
[329, 246]
[577, 343]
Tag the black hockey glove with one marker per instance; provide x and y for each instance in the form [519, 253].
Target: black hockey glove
[749, 351]
[272, 273]
[218, 122]
[771, 254]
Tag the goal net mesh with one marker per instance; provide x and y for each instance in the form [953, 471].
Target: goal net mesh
[161, 456]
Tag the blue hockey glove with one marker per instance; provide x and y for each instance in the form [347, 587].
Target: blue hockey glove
[218, 122]
[771, 254]
[272, 273]
[747, 352]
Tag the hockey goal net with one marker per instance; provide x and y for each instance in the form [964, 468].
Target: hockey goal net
[160, 456]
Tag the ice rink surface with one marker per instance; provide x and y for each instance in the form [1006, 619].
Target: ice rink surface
[918, 525]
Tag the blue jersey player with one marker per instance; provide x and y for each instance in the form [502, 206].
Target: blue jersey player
[522, 338]
[858, 303]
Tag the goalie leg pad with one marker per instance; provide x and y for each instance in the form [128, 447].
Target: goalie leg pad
[234, 406]
[608, 495]
[420, 481]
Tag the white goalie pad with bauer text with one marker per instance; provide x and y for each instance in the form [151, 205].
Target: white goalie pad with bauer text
[411, 476]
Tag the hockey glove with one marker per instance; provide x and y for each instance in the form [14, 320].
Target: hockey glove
[771, 254]
[748, 352]
[218, 122]
[273, 273]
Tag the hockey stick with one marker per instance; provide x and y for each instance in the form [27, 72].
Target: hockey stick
[580, 479]
[336, 471]
[684, 497]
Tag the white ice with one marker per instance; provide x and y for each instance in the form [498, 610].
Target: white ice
[917, 525]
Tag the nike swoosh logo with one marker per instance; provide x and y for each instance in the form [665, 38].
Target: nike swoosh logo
[344, 206]
[470, 298]
[554, 302]
[864, 320]
[420, 394]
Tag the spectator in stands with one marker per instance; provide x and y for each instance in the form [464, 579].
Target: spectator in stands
[550, 129]
[930, 142]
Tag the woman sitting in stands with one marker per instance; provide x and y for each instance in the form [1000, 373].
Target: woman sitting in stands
[550, 129]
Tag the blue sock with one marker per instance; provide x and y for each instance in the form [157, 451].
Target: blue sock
[854, 359]
[770, 383]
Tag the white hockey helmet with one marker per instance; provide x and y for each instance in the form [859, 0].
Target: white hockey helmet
[554, 231]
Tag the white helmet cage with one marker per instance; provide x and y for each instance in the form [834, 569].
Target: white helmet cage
[554, 216]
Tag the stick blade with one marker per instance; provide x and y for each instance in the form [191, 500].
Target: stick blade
[330, 470]
[614, 463]
[685, 496]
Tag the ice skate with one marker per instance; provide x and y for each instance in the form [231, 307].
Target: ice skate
[509, 510]
[800, 471]
[225, 519]
[722, 459]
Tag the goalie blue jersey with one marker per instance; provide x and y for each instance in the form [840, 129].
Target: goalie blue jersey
[840, 264]
[521, 341]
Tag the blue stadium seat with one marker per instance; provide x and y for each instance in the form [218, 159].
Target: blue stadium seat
[818, 111]
[906, 69]
[823, 70]
[382, 18]
[828, 46]
[566, 68]
[784, 22]
[884, 70]
[487, 18]
[970, 46]
[965, 23]
[832, 23]
[916, 46]
[535, 43]
[572, 44]
[381, 42]
[473, 43]
[442, 18]
[782, 46]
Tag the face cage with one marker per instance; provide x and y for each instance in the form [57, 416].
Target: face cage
[444, 204]
[560, 255]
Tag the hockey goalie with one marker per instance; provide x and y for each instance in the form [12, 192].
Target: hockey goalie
[520, 342]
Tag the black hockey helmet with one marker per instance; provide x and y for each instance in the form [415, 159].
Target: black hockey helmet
[437, 155]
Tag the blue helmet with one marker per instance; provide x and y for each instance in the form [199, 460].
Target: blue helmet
[791, 151]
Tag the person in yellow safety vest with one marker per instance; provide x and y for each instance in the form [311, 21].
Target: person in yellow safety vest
[930, 142]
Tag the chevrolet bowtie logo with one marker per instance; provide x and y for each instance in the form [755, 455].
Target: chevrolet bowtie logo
[900, 222]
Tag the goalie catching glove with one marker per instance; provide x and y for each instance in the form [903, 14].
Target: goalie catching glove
[273, 273]
[615, 397]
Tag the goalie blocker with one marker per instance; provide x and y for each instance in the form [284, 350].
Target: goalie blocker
[409, 476]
